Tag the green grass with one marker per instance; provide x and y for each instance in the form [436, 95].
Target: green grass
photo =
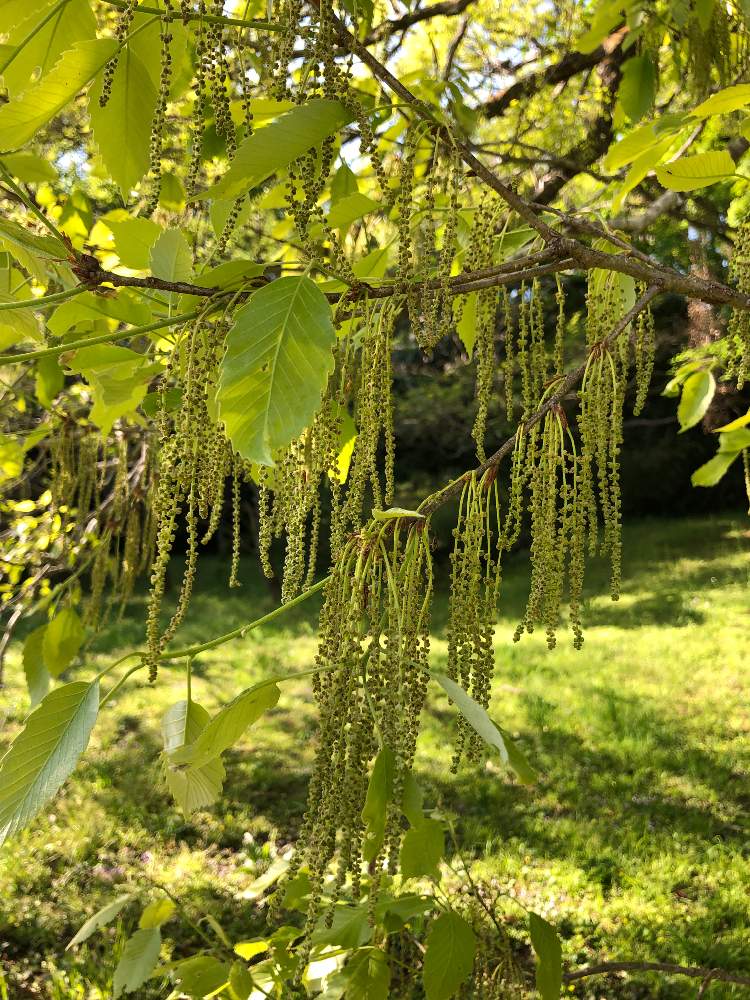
[634, 842]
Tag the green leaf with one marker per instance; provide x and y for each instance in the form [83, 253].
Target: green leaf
[22, 117]
[607, 16]
[726, 100]
[379, 794]
[37, 675]
[194, 788]
[49, 380]
[100, 919]
[697, 392]
[734, 425]
[394, 914]
[346, 211]
[701, 170]
[249, 949]
[73, 22]
[734, 440]
[226, 727]
[712, 471]
[637, 87]
[391, 513]
[276, 366]
[466, 328]
[133, 241]
[546, 944]
[119, 379]
[343, 184]
[422, 850]
[158, 912]
[45, 752]
[46, 247]
[201, 975]
[350, 928]
[88, 307]
[171, 258]
[449, 956]
[138, 961]
[231, 274]
[30, 168]
[277, 145]
[411, 800]
[368, 975]
[122, 128]
[483, 725]
[63, 637]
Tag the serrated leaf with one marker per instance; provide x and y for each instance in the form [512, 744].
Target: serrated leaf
[119, 379]
[124, 306]
[346, 211]
[48, 381]
[391, 513]
[350, 928]
[138, 961]
[726, 100]
[133, 240]
[192, 788]
[698, 171]
[23, 116]
[170, 256]
[466, 328]
[483, 726]
[697, 392]
[122, 128]
[100, 919]
[449, 956]
[226, 727]
[278, 357]
[277, 145]
[368, 975]
[712, 471]
[201, 975]
[73, 22]
[63, 637]
[45, 752]
[37, 675]
[422, 850]
[734, 425]
[379, 794]
[158, 912]
[45, 247]
[546, 945]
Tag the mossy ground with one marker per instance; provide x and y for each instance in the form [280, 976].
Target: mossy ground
[634, 842]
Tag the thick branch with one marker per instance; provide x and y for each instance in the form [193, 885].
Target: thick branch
[694, 972]
[571, 64]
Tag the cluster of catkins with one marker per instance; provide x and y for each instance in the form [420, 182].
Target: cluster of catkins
[100, 494]
[370, 688]
[194, 461]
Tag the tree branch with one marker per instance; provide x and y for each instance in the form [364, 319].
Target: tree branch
[570, 65]
[695, 972]
[445, 8]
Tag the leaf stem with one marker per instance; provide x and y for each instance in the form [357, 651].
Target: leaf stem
[195, 16]
[44, 300]
[102, 338]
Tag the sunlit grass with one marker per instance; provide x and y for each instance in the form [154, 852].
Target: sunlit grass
[634, 842]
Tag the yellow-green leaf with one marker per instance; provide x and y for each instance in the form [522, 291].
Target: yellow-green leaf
[23, 116]
[701, 170]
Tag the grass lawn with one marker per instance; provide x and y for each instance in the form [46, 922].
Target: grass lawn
[634, 842]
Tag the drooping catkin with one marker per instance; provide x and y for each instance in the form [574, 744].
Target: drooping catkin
[370, 688]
